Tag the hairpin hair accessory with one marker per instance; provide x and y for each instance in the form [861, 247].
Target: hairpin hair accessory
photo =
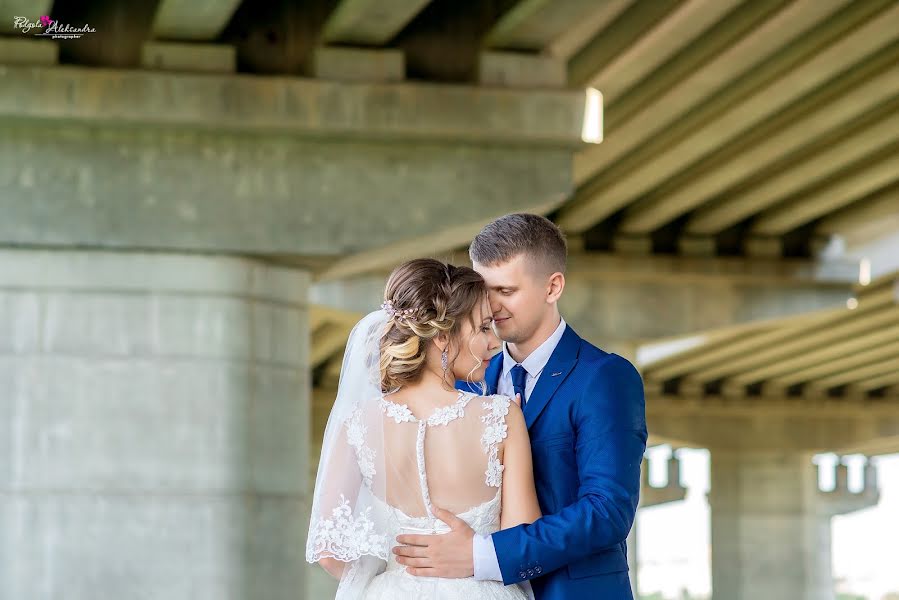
[393, 312]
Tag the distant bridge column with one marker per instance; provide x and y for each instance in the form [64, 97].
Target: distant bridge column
[766, 539]
[154, 417]
[771, 525]
[672, 491]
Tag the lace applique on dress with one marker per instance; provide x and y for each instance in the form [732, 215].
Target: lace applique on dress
[400, 413]
[365, 456]
[494, 433]
[346, 537]
[446, 414]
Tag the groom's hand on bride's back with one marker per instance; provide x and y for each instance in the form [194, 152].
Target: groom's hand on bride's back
[445, 555]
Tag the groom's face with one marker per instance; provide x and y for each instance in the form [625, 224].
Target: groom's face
[517, 298]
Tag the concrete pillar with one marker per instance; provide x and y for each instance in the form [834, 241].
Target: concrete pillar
[771, 525]
[154, 416]
[768, 538]
[672, 491]
[841, 500]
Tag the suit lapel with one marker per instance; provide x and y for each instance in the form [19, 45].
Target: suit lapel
[554, 373]
[494, 369]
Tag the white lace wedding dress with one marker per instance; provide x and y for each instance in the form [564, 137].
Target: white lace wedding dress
[451, 458]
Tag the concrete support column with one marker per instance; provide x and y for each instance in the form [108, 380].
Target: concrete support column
[769, 539]
[154, 416]
[672, 491]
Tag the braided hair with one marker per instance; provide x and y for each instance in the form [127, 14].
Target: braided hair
[425, 297]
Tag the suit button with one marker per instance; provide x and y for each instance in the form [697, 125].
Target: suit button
[530, 572]
[523, 575]
[538, 570]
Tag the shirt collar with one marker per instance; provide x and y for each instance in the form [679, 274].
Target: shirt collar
[536, 360]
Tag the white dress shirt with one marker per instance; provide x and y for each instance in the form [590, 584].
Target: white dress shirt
[486, 564]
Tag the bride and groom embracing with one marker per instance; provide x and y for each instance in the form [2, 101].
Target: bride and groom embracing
[449, 474]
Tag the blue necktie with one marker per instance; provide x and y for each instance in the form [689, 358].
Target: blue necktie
[519, 382]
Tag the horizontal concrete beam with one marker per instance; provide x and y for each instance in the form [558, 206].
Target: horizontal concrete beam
[592, 268]
[81, 271]
[666, 109]
[187, 57]
[816, 425]
[576, 35]
[612, 41]
[535, 24]
[31, 9]
[272, 194]
[655, 167]
[822, 162]
[789, 340]
[293, 106]
[866, 220]
[821, 359]
[689, 269]
[357, 64]
[664, 39]
[27, 50]
[869, 174]
[519, 70]
[439, 243]
[320, 315]
[192, 19]
[328, 340]
[370, 22]
[852, 360]
[855, 143]
[872, 446]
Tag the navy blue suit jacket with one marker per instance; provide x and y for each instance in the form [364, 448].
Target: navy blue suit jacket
[586, 419]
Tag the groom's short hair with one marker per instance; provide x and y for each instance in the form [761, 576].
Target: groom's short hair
[521, 233]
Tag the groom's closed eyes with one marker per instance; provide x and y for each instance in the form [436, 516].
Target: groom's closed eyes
[505, 291]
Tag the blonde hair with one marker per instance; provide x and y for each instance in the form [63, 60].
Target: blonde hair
[430, 297]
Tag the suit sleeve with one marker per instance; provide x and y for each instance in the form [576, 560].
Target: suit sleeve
[610, 439]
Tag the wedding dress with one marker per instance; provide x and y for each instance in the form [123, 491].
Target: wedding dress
[384, 469]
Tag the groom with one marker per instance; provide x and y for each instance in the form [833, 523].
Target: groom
[584, 410]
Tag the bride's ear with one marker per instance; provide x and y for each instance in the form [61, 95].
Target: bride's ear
[441, 340]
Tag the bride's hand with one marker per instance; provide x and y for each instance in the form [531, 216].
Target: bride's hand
[517, 400]
[446, 555]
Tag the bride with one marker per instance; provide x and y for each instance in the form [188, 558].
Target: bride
[402, 442]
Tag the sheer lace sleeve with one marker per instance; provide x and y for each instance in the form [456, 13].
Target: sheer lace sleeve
[495, 431]
[344, 523]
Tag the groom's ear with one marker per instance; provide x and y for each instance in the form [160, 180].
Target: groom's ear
[556, 285]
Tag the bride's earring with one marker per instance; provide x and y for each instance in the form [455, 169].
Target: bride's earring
[444, 360]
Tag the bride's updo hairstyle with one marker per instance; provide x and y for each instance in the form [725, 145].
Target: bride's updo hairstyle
[425, 297]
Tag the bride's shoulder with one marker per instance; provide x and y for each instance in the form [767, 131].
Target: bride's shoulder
[500, 405]
[503, 418]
